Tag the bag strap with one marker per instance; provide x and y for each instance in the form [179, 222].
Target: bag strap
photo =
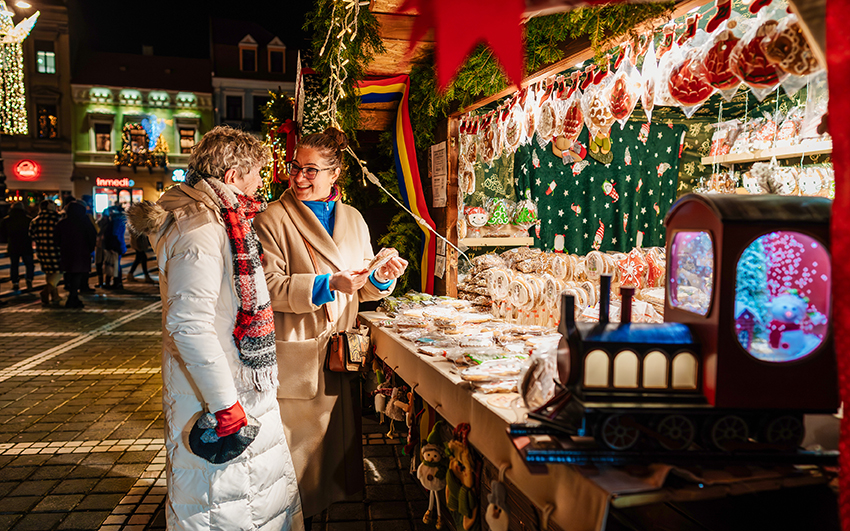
[316, 268]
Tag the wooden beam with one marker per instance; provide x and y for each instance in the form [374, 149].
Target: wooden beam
[376, 119]
[580, 56]
[399, 27]
[396, 59]
[386, 6]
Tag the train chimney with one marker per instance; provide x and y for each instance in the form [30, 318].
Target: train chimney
[604, 299]
[626, 308]
[568, 314]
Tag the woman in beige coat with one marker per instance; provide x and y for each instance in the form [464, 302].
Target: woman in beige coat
[320, 409]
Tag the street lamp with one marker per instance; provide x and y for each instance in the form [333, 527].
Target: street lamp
[13, 111]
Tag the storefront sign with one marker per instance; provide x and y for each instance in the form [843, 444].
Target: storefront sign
[126, 182]
[27, 170]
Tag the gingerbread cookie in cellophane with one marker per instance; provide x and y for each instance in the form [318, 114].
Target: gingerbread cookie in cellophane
[712, 61]
[748, 61]
[624, 89]
[685, 85]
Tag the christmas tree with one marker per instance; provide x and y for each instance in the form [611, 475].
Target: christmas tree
[751, 283]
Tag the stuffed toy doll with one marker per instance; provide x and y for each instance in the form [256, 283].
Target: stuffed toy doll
[497, 509]
[461, 495]
[432, 473]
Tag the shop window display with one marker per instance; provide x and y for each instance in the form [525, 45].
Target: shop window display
[691, 272]
[103, 137]
[782, 296]
[47, 121]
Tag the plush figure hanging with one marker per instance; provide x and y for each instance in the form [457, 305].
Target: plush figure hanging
[461, 498]
[396, 410]
[432, 473]
[497, 516]
[380, 395]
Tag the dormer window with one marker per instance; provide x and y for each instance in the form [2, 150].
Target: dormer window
[248, 54]
[277, 56]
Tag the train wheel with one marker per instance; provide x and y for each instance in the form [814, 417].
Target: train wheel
[727, 431]
[618, 432]
[676, 432]
[785, 430]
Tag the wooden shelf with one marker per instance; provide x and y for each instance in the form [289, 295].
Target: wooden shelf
[814, 148]
[497, 242]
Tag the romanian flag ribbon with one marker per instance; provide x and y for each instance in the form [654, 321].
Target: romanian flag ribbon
[407, 170]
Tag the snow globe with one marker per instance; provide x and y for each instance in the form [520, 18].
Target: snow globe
[691, 272]
[782, 296]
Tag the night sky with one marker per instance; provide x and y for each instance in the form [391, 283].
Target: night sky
[177, 27]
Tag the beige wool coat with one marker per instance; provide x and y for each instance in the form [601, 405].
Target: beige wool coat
[320, 409]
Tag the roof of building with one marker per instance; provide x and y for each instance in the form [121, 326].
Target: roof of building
[760, 208]
[143, 71]
[231, 32]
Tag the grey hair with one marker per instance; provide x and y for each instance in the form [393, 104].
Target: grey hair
[223, 148]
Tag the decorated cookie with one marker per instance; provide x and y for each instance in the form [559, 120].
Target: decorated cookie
[632, 269]
[714, 65]
[573, 118]
[686, 86]
[622, 99]
[547, 120]
[477, 216]
[513, 129]
[748, 61]
[787, 47]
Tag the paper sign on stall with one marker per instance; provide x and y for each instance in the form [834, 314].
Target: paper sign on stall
[440, 262]
[439, 175]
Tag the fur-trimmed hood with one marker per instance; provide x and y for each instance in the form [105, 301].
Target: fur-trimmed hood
[189, 207]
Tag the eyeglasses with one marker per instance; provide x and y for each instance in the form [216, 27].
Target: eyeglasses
[293, 169]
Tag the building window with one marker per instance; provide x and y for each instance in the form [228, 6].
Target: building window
[138, 141]
[47, 121]
[103, 137]
[276, 61]
[248, 59]
[187, 139]
[45, 57]
[233, 107]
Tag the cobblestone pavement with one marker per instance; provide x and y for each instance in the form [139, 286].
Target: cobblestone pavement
[81, 425]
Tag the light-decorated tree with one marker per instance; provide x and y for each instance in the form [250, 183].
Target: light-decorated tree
[751, 290]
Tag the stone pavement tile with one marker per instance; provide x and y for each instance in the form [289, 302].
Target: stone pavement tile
[376, 493]
[100, 502]
[33, 488]
[75, 486]
[346, 511]
[84, 520]
[418, 508]
[38, 521]
[88, 472]
[71, 459]
[387, 510]
[55, 503]
[52, 472]
[373, 477]
[6, 487]
[377, 451]
[7, 520]
[25, 460]
[121, 485]
[390, 525]
[415, 492]
[17, 473]
[130, 470]
[347, 526]
[18, 504]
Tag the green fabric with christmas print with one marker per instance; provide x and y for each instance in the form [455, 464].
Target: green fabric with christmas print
[493, 180]
[633, 193]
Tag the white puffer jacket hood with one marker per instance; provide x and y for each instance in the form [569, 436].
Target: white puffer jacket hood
[257, 490]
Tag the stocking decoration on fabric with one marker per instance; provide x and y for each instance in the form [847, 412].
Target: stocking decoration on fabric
[724, 11]
[690, 28]
[599, 236]
[756, 6]
[609, 190]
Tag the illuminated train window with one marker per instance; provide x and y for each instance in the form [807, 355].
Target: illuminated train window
[782, 296]
[596, 369]
[626, 370]
[691, 272]
[685, 371]
[655, 371]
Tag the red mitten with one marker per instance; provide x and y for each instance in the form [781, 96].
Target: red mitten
[230, 420]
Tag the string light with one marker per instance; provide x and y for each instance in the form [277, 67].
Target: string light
[339, 28]
[13, 109]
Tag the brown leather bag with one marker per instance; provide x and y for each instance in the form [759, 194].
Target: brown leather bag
[350, 350]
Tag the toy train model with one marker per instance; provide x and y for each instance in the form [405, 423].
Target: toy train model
[746, 348]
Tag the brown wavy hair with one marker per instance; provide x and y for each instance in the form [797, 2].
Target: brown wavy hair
[223, 148]
[330, 144]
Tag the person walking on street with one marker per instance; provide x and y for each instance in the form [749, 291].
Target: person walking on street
[15, 228]
[114, 247]
[141, 246]
[43, 232]
[76, 237]
[102, 226]
[219, 368]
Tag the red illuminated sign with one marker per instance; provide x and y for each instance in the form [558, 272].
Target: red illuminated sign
[27, 170]
[114, 183]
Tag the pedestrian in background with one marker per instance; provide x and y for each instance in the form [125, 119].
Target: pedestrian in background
[43, 232]
[114, 246]
[102, 226]
[140, 244]
[15, 229]
[76, 237]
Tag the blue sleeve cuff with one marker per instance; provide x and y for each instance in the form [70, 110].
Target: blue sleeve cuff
[383, 286]
[322, 293]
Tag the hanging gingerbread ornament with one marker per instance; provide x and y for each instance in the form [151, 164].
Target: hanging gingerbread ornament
[514, 128]
[547, 118]
[788, 49]
[573, 118]
[626, 87]
[724, 10]
[668, 34]
[748, 61]
[690, 28]
[713, 62]
[596, 107]
[588, 77]
[648, 75]
[530, 111]
[686, 86]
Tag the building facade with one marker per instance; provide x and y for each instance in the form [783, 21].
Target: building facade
[39, 164]
[136, 119]
[248, 62]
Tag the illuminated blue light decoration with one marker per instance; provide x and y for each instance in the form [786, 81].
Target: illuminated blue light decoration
[178, 175]
[153, 127]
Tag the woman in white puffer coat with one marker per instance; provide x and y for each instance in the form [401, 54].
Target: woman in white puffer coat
[218, 362]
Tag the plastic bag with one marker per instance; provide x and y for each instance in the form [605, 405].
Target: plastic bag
[547, 118]
[788, 49]
[624, 90]
[748, 61]
[817, 98]
[500, 215]
[649, 74]
[530, 110]
[514, 129]
[662, 77]
[685, 85]
[596, 108]
[713, 60]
